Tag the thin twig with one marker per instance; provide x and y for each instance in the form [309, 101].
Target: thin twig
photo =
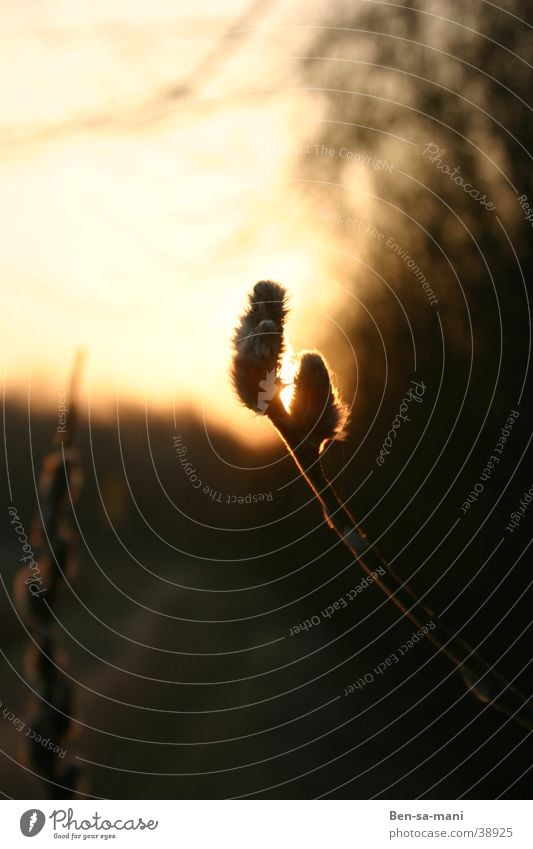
[315, 417]
[52, 705]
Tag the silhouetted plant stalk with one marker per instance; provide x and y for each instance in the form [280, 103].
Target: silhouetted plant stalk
[315, 417]
[52, 704]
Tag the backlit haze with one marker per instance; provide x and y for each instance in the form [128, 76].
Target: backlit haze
[146, 183]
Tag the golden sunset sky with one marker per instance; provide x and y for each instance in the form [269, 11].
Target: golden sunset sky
[136, 215]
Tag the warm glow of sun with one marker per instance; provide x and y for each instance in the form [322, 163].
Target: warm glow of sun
[155, 303]
[287, 374]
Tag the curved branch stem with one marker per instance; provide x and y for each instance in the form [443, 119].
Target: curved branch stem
[480, 678]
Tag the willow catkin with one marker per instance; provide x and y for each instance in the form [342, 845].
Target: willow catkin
[258, 342]
[315, 417]
[316, 405]
[36, 590]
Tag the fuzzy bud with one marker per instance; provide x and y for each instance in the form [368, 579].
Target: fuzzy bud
[258, 342]
[316, 407]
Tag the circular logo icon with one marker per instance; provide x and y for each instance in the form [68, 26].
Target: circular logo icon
[32, 822]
